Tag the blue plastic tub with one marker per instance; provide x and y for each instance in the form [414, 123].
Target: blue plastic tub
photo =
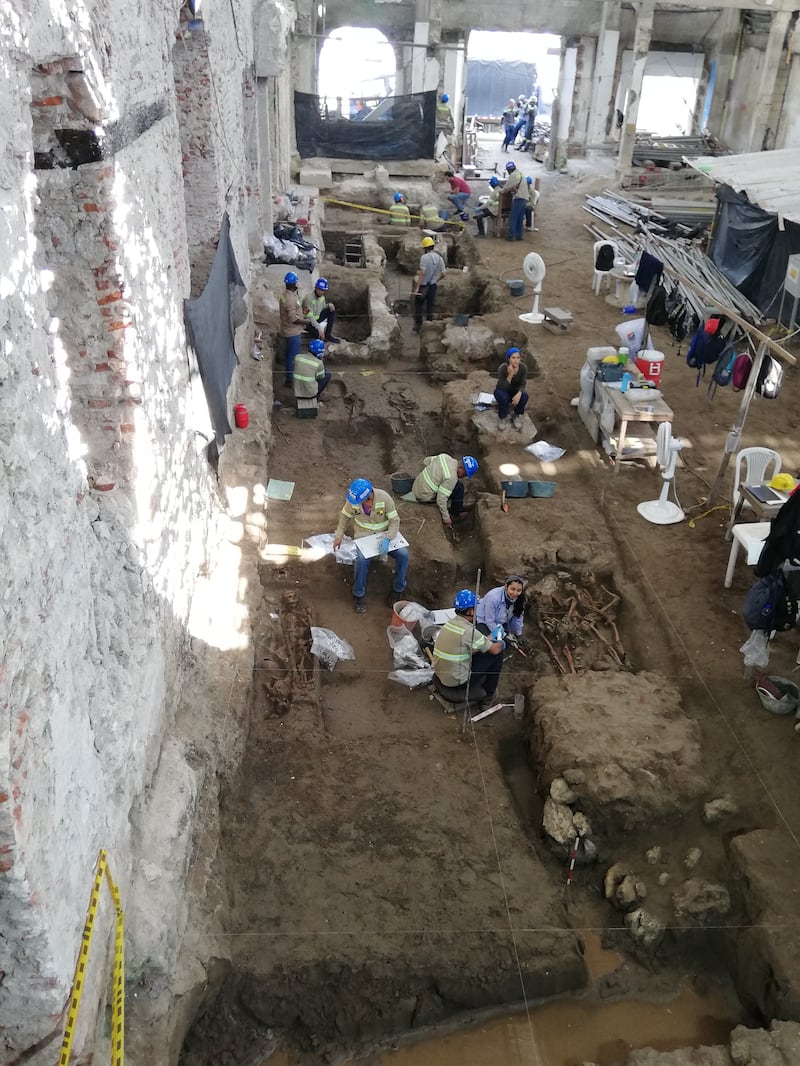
[516, 286]
[542, 490]
[515, 490]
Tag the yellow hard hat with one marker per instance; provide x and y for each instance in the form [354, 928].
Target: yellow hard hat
[610, 359]
[782, 483]
[428, 242]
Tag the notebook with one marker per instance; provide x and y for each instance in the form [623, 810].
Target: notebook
[764, 494]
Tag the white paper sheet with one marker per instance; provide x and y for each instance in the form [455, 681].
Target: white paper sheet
[486, 399]
[440, 617]
[370, 546]
[548, 453]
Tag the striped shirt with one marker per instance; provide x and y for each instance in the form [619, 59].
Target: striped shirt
[457, 642]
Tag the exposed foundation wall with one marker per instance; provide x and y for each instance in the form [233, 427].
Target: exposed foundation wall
[106, 498]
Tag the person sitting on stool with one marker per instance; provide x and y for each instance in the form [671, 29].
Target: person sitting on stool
[491, 209]
[371, 510]
[466, 663]
[399, 214]
[310, 375]
[441, 480]
[320, 313]
[512, 376]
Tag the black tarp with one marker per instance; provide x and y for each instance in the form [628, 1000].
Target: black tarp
[405, 130]
[491, 83]
[752, 251]
[210, 323]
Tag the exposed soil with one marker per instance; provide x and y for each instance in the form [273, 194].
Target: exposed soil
[385, 872]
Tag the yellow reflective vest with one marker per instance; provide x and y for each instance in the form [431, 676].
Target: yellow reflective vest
[436, 480]
[308, 370]
[383, 518]
[399, 215]
[457, 642]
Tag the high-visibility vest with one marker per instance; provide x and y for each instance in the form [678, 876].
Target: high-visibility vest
[399, 215]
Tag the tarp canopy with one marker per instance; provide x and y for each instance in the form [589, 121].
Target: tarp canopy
[771, 180]
[491, 83]
[405, 129]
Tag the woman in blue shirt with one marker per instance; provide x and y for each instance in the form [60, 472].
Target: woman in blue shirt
[503, 606]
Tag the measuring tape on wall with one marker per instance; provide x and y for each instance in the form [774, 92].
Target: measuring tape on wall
[118, 984]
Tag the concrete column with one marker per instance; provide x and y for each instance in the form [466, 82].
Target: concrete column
[305, 47]
[264, 141]
[762, 102]
[582, 96]
[724, 47]
[400, 60]
[605, 64]
[566, 87]
[641, 46]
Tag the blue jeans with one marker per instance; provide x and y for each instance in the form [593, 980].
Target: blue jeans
[459, 199]
[328, 317]
[504, 402]
[290, 353]
[400, 556]
[323, 381]
[509, 137]
[518, 206]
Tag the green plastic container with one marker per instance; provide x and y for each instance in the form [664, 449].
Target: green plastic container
[542, 490]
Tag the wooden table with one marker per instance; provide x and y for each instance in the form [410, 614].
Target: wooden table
[639, 410]
[761, 511]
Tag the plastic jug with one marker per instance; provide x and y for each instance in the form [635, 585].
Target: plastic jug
[651, 364]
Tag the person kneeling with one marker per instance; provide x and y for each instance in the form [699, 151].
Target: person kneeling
[466, 663]
[310, 375]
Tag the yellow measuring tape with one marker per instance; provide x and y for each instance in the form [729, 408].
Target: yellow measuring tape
[697, 517]
[118, 986]
[381, 210]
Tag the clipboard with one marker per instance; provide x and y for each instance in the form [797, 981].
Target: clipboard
[370, 546]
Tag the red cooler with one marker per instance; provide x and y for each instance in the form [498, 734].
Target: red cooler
[651, 364]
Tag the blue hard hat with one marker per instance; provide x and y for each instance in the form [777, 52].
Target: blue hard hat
[398, 198]
[464, 600]
[510, 166]
[529, 180]
[290, 278]
[321, 284]
[494, 181]
[445, 98]
[511, 351]
[470, 464]
[358, 491]
[317, 347]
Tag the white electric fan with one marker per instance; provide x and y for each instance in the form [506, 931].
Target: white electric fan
[661, 512]
[534, 270]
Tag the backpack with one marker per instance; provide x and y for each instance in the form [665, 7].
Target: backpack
[770, 378]
[770, 605]
[656, 310]
[605, 257]
[742, 365]
[705, 349]
[723, 371]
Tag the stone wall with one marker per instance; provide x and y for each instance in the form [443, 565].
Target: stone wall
[107, 498]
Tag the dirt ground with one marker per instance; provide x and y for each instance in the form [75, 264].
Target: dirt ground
[383, 872]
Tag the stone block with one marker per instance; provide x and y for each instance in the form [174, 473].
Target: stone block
[316, 175]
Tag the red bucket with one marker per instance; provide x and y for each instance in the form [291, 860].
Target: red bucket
[240, 416]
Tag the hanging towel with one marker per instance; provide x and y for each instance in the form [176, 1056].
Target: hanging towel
[649, 268]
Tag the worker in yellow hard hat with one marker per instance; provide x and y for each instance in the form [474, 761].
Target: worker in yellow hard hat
[431, 271]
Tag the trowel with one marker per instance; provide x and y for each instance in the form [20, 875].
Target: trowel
[518, 705]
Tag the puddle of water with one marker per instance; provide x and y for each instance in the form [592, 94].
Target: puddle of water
[570, 1032]
[599, 960]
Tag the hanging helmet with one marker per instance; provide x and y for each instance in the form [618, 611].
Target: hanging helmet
[428, 242]
[511, 351]
[529, 180]
[399, 198]
[494, 181]
[290, 278]
[464, 600]
[445, 98]
[510, 166]
[321, 284]
[317, 347]
[359, 490]
[470, 464]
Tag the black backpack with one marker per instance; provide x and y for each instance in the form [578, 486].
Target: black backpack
[770, 605]
[656, 310]
[605, 257]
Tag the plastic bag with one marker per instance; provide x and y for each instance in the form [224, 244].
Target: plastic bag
[415, 612]
[346, 552]
[413, 678]
[756, 650]
[405, 647]
[329, 648]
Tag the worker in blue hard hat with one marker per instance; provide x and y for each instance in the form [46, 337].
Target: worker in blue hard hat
[516, 185]
[466, 663]
[291, 324]
[371, 511]
[320, 313]
[490, 207]
[399, 214]
[442, 479]
[310, 375]
[444, 116]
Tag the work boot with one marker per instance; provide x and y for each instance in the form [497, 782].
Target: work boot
[333, 340]
[358, 605]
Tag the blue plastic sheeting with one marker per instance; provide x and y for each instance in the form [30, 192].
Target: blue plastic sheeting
[404, 129]
[492, 83]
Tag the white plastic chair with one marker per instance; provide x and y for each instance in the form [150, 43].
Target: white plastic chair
[600, 274]
[750, 536]
[756, 463]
